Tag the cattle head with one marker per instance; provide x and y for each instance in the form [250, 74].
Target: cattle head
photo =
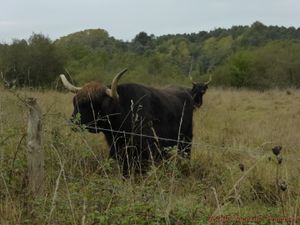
[197, 92]
[94, 103]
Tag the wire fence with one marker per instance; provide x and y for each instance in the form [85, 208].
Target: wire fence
[254, 152]
[251, 151]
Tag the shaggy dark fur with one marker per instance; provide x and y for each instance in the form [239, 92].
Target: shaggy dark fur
[142, 122]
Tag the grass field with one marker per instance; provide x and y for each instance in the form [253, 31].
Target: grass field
[233, 129]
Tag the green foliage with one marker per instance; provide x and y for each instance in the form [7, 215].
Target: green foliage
[142, 43]
[274, 65]
[30, 63]
[256, 56]
[237, 71]
[215, 51]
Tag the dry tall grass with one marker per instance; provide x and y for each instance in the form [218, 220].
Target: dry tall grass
[234, 130]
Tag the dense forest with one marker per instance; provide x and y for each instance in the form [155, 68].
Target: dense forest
[256, 56]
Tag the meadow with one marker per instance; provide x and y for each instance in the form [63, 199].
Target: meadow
[233, 171]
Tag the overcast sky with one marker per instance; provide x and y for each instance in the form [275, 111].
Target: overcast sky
[123, 19]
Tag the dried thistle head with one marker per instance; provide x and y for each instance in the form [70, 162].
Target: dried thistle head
[282, 185]
[276, 149]
[242, 167]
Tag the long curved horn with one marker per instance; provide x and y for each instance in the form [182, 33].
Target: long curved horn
[191, 79]
[68, 85]
[207, 82]
[114, 84]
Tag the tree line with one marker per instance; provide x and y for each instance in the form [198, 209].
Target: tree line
[256, 56]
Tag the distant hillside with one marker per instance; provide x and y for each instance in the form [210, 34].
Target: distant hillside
[255, 56]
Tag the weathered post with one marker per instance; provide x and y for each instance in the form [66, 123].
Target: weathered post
[35, 152]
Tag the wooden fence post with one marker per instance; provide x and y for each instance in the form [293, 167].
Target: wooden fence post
[35, 152]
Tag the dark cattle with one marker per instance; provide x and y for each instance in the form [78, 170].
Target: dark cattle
[138, 121]
[197, 92]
